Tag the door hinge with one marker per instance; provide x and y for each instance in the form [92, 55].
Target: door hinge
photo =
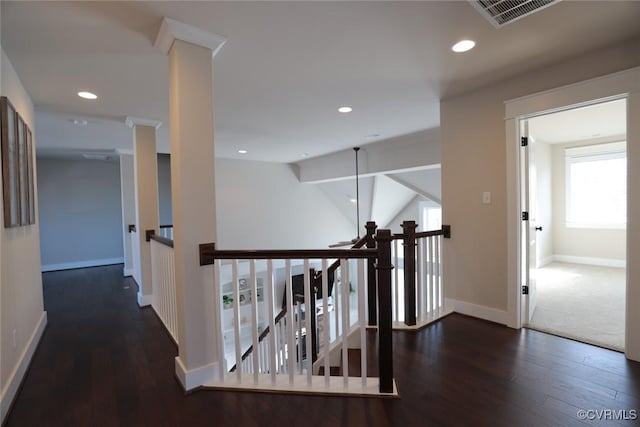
[525, 216]
[525, 290]
[524, 141]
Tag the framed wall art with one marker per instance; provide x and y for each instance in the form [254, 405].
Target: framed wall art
[10, 172]
[23, 180]
[17, 167]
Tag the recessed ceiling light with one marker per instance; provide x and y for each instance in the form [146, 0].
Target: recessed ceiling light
[78, 122]
[463, 46]
[305, 154]
[242, 151]
[345, 109]
[353, 200]
[87, 95]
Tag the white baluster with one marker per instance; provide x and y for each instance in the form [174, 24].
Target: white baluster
[253, 286]
[272, 326]
[236, 314]
[310, 308]
[363, 322]
[325, 320]
[344, 285]
[290, 323]
[396, 282]
[217, 291]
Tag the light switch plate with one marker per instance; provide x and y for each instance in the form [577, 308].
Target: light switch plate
[486, 198]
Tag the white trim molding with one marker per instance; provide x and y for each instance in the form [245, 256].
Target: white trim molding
[191, 379]
[603, 262]
[144, 300]
[623, 84]
[81, 264]
[172, 30]
[16, 377]
[128, 272]
[131, 121]
[479, 311]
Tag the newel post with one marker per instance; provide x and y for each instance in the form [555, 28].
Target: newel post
[409, 231]
[385, 350]
[372, 291]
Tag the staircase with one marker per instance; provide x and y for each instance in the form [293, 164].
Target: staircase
[354, 360]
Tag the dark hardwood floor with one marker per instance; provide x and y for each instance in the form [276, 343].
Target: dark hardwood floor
[104, 362]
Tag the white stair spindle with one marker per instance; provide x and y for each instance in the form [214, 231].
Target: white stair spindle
[344, 284]
[272, 326]
[218, 313]
[309, 310]
[290, 323]
[253, 286]
[325, 320]
[363, 322]
[236, 317]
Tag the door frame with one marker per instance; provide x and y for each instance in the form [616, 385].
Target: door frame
[624, 84]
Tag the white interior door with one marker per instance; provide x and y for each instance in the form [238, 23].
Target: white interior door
[529, 212]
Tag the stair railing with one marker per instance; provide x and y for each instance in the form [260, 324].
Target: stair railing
[418, 296]
[294, 374]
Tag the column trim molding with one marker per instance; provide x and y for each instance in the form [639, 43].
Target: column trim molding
[172, 30]
[140, 121]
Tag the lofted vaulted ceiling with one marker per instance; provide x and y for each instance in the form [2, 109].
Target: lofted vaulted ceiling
[287, 66]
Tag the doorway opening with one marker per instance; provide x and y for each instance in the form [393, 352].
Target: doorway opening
[574, 196]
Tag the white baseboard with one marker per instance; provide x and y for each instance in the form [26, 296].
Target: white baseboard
[144, 300]
[128, 272]
[81, 264]
[196, 377]
[603, 262]
[15, 378]
[546, 261]
[479, 311]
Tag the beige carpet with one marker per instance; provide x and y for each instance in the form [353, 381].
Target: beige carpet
[583, 302]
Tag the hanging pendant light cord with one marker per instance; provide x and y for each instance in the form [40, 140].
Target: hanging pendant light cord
[356, 149]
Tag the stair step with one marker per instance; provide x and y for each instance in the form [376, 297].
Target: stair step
[354, 356]
[334, 371]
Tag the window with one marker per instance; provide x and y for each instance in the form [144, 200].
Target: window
[430, 216]
[596, 186]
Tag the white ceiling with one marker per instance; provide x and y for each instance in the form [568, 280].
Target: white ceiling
[597, 121]
[286, 67]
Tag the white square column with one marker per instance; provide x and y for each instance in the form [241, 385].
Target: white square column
[145, 166]
[191, 52]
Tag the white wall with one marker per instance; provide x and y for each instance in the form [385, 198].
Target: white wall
[608, 244]
[411, 212]
[474, 160]
[262, 205]
[164, 189]
[80, 213]
[22, 313]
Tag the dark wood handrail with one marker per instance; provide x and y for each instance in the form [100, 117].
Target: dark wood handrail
[132, 228]
[163, 240]
[261, 337]
[360, 243]
[430, 233]
[167, 226]
[334, 266]
[294, 253]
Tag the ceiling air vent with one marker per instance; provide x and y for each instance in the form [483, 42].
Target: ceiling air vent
[503, 12]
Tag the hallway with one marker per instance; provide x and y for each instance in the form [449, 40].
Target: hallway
[105, 362]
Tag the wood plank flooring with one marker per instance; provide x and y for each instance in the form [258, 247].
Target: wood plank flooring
[103, 361]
